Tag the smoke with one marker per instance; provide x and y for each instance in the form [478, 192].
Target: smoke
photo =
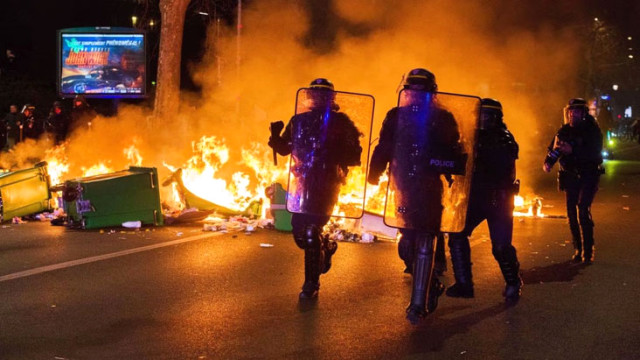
[362, 46]
[367, 45]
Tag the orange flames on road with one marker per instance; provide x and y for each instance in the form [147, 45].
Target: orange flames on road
[527, 207]
[202, 175]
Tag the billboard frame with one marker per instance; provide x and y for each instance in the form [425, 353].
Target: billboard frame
[100, 30]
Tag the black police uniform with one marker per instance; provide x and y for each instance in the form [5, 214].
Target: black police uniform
[423, 197]
[58, 125]
[32, 128]
[578, 177]
[491, 199]
[324, 152]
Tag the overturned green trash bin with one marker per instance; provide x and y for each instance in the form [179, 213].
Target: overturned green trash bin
[109, 200]
[278, 196]
[25, 192]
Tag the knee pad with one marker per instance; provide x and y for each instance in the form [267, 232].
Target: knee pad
[309, 238]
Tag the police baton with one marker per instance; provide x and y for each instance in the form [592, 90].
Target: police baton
[275, 128]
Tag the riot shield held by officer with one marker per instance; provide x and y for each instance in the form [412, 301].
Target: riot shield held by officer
[324, 141]
[577, 146]
[421, 142]
[492, 189]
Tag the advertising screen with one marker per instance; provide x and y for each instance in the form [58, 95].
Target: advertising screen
[101, 64]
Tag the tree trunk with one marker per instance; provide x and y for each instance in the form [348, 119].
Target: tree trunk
[167, 98]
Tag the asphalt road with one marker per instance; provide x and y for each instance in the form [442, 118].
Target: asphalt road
[181, 293]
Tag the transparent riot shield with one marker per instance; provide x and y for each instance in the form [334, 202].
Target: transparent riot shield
[432, 161]
[330, 137]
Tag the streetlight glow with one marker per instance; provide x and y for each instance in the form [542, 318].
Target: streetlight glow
[615, 87]
[630, 56]
[629, 38]
[595, 19]
[134, 20]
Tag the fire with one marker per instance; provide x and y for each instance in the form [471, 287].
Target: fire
[527, 207]
[133, 154]
[201, 174]
[57, 163]
[96, 169]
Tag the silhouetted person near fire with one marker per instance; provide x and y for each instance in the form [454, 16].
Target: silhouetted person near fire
[12, 122]
[82, 114]
[31, 127]
[57, 123]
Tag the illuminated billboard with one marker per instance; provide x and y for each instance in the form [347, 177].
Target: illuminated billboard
[101, 62]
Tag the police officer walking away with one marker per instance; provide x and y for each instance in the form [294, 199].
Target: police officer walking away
[578, 148]
[420, 141]
[492, 189]
[324, 143]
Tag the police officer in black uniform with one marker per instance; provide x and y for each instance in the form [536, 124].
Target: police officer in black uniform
[492, 189]
[324, 142]
[422, 193]
[578, 148]
[57, 123]
[30, 126]
[82, 114]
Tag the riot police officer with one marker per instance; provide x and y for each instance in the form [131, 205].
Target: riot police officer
[419, 140]
[324, 143]
[57, 122]
[30, 126]
[12, 122]
[492, 189]
[578, 148]
[82, 114]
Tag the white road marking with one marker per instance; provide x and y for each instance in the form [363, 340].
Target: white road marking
[67, 264]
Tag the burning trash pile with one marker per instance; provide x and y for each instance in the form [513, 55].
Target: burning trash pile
[193, 192]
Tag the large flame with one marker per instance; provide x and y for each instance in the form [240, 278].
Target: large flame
[201, 174]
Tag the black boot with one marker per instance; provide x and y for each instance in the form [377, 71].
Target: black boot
[406, 249]
[510, 267]
[435, 291]
[461, 260]
[422, 273]
[577, 242]
[440, 265]
[329, 248]
[312, 258]
[587, 232]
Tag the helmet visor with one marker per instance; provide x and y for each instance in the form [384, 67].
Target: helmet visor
[574, 115]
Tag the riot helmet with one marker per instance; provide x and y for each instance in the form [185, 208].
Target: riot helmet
[57, 107]
[576, 111]
[420, 79]
[79, 101]
[490, 114]
[321, 95]
[28, 110]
